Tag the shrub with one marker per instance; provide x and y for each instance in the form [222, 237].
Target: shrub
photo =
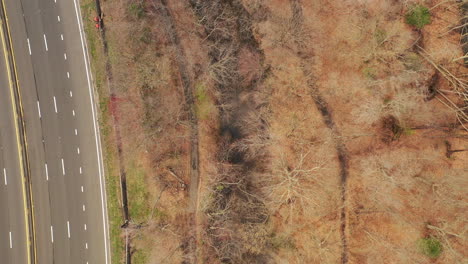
[430, 247]
[418, 16]
[380, 36]
[136, 10]
[370, 73]
[412, 61]
[282, 242]
[408, 131]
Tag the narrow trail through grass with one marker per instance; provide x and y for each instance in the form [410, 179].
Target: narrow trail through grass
[162, 8]
[324, 110]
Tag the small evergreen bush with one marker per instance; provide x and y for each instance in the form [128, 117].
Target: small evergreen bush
[418, 16]
[430, 247]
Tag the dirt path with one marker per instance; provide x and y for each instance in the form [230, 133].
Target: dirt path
[324, 110]
[162, 8]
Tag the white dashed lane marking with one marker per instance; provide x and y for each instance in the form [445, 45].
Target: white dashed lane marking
[68, 228]
[52, 234]
[46, 171]
[45, 42]
[29, 46]
[55, 105]
[39, 109]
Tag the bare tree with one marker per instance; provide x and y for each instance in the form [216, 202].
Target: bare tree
[291, 184]
[223, 71]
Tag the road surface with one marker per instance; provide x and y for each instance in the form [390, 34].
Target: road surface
[13, 241]
[67, 178]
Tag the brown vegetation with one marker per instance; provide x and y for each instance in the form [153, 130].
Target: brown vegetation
[324, 131]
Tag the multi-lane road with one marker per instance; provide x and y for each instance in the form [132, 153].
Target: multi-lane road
[13, 229]
[62, 140]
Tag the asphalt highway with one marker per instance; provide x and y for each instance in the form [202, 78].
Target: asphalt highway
[70, 217]
[13, 244]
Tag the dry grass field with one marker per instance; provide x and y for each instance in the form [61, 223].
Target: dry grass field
[286, 131]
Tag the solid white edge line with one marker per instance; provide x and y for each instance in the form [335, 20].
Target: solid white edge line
[45, 41]
[39, 109]
[96, 135]
[11, 241]
[29, 46]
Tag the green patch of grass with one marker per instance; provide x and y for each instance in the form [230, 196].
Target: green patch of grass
[418, 16]
[159, 216]
[408, 131]
[146, 36]
[282, 242]
[203, 104]
[138, 196]
[140, 257]
[109, 152]
[370, 72]
[430, 247]
[114, 210]
[136, 10]
[380, 36]
[139, 207]
[412, 61]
